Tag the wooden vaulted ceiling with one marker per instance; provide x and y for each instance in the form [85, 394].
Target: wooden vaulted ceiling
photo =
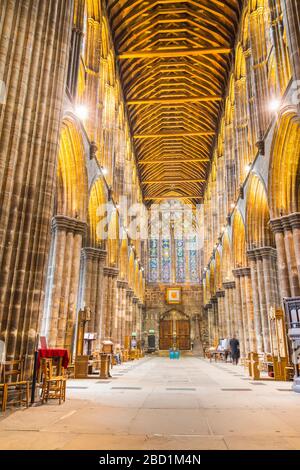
[174, 59]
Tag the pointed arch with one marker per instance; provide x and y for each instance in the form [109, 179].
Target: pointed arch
[97, 214]
[124, 258]
[259, 233]
[226, 261]
[113, 238]
[284, 170]
[212, 289]
[72, 184]
[218, 272]
[238, 240]
[131, 270]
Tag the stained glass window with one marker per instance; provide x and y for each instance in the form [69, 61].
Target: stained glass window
[173, 255]
[153, 260]
[180, 261]
[193, 261]
[166, 261]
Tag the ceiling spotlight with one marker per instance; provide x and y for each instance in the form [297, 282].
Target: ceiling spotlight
[232, 205]
[274, 105]
[247, 168]
[81, 112]
[104, 171]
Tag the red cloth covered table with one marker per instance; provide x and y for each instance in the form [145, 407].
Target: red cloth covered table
[49, 353]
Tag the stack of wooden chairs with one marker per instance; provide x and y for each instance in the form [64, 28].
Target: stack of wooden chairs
[14, 388]
[53, 386]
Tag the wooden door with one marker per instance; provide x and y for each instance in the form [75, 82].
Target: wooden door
[183, 335]
[165, 334]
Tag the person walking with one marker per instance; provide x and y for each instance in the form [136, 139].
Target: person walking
[235, 350]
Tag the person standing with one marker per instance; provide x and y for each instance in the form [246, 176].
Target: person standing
[235, 350]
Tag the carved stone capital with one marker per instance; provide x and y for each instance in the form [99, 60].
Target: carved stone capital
[285, 222]
[240, 272]
[129, 293]
[208, 306]
[135, 299]
[93, 253]
[68, 224]
[262, 252]
[220, 293]
[276, 225]
[122, 284]
[295, 220]
[110, 272]
[229, 285]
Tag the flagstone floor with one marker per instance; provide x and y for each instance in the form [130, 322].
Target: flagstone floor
[156, 403]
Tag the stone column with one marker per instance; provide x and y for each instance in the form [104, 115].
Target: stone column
[280, 49]
[240, 323]
[290, 256]
[124, 312]
[294, 220]
[204, 328]
[33, 33]
[129, 308]
[250, 309]
[215, 329]
[260, 67]
[208, 308]
[92, 290]
[62, 289]
[244, 275]
[287, 242]
[140, 320]
[291, 17]
[265, 290]
[121, 286]
[229, 287]
[75, 49]
[109, 302]
[220, 294]
[256, 301]
[283, 273]
[92, 83]
[263, 303]
[134, 312]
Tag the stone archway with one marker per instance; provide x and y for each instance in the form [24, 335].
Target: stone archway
[174, 330]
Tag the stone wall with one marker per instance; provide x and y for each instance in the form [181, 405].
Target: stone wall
[156, 306]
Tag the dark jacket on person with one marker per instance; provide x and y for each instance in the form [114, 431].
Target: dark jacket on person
[235, 347]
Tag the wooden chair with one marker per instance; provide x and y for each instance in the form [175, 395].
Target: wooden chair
[3, 390]
[13, 384]
[53, 386]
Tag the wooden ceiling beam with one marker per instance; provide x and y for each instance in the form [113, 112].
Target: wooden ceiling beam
[163, 198]
[174, 53]
[174, 134]
[171, 101]
[149, 182]
[167, 162]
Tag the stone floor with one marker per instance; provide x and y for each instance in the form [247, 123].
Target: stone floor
[156, 403]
